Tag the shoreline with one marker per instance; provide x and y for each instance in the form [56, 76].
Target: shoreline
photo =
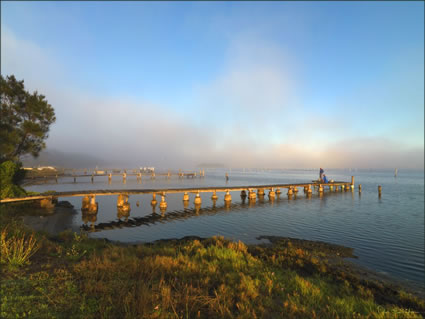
[64, 211]
[76, 276]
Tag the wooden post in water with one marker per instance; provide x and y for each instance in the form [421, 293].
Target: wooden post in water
[153, 201]
[360, 188]
[243, 194]
[227, 197]
[379, 190]
[214, 196]
[290, 192]
[272, 194]
[93, 206]
[86, 203]
[198, 199]
[185, 197]
[260, 192]
[251, 195]
[163, 203]
[352, 182]
[278, 191]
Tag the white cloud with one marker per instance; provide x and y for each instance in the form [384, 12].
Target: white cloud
[251, 115]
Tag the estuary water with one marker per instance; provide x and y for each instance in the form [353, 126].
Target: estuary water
[386, 232]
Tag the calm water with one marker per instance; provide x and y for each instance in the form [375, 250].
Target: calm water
[387, 233]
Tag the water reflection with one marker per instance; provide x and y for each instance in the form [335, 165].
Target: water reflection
[124, 219]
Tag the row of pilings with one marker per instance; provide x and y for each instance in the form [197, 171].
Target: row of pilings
[123, 205]
[89, 203]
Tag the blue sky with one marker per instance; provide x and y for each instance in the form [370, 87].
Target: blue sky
[274, 84]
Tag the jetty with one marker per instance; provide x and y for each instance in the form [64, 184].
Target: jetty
[109, 173]
[89, 203]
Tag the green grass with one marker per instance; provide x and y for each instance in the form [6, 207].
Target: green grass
[72, 276]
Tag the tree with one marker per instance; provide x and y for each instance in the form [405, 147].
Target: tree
[24, 122]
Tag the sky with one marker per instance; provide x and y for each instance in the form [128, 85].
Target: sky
[243, 84]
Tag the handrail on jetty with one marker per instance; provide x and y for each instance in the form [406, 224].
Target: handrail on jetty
[89, 197]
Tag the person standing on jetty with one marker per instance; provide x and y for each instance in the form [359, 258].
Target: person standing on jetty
[325, 179]
[321, 174]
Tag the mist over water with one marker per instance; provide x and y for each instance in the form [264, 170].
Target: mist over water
[386, 232]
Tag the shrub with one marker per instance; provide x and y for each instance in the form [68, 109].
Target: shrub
[10, 175]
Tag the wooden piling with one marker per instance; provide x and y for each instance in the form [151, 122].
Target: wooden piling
[185, 197]
[227, 197]
[360, 188]
[198, 199]
[163, 203]
[153, 201]
[252, 195]
[214, 196]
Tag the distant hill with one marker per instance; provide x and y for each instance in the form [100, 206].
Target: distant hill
[211, 165]
[56, 158]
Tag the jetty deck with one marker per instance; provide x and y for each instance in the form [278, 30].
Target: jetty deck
[211, 189]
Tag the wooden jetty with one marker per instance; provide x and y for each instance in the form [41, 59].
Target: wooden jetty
[114, 172]
[89, 197]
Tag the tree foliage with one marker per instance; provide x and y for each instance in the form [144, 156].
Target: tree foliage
[24, 122]
[10, 175]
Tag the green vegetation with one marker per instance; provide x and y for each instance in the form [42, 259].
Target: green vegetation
[24, 122]
[73, 276]
[10, 174]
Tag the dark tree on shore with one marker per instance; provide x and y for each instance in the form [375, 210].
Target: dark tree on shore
[24, 122]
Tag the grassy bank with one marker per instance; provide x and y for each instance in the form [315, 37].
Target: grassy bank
[72, 276]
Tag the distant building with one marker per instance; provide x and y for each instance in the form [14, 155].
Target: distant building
[41, 168]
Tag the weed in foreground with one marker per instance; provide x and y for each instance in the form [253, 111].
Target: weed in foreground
[17, 249]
